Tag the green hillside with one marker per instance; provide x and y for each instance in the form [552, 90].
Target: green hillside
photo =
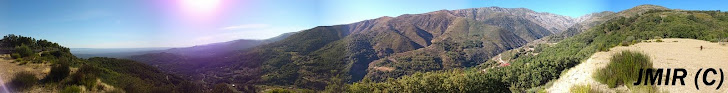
[527, 73]
[71, 74]
[331, 55]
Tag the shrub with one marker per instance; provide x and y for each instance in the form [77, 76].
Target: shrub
[657, 37]
[659, 40]
[23, 81]
[18, 60]
[58, 72]
[71, 89]
[624, 44]
[23, 51]
[623, 68]
[15, 55]
[223, 88]
[453, 81]
[22, 62]
[279, 91]
[85, 77]
[628, 41]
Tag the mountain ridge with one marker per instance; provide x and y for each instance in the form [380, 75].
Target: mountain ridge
[314, 57]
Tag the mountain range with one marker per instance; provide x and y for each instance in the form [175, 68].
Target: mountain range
[457, 49]
[375, 49]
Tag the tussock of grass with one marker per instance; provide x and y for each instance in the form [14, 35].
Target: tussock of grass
[71, 89]
[583, 89]
[23, 81]
[623, 68]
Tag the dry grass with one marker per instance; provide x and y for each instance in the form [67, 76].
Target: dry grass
[685, 53]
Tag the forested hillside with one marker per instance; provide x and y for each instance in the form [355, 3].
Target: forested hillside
[532, 72]
[70, 74]
[374, 49]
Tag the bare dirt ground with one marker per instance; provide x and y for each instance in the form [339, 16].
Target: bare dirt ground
[8, 68]
[672, 53]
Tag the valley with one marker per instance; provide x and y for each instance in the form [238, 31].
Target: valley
[488, 49]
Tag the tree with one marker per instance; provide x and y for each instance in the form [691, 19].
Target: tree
[23, 51]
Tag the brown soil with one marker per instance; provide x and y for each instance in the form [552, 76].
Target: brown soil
[673, 53]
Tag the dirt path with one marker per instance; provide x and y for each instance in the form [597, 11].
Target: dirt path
[673, 53]
[581, 74]
[8, 68]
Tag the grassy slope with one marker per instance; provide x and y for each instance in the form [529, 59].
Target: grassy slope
[313, 58]
[127, 75]
[532, 71]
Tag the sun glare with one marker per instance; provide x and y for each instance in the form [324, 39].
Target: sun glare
[200, 6]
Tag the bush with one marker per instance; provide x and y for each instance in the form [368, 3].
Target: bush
[23, 81]
[23, 51]
[659, 40]
[85, 76]
[623, 68]
[447, 81]
[628, 41]
[58, 72]
[21, 61]
[279, 91]
[71, 89]
[87, 80]
[15, 55]
[222, 88]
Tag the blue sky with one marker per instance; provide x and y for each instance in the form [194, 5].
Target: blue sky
[179, 23]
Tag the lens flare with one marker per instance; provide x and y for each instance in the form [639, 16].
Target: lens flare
[197, 15]
[200, 6]
[4, 88]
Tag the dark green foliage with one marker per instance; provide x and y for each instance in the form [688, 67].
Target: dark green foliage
[279, 91]
[335, 85]
[71, 89]
[43, 45]
[129, 75]
[15, 55]
[23, 51]
[449, 81]
[23, 81]
[222, 88]
[628, 41]
[409, 64]
[622, 68]
[58, 72]
[26, 49]
[190, 87]
[531, 71]
[85, 77]
[528, 72]
[316, 54]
